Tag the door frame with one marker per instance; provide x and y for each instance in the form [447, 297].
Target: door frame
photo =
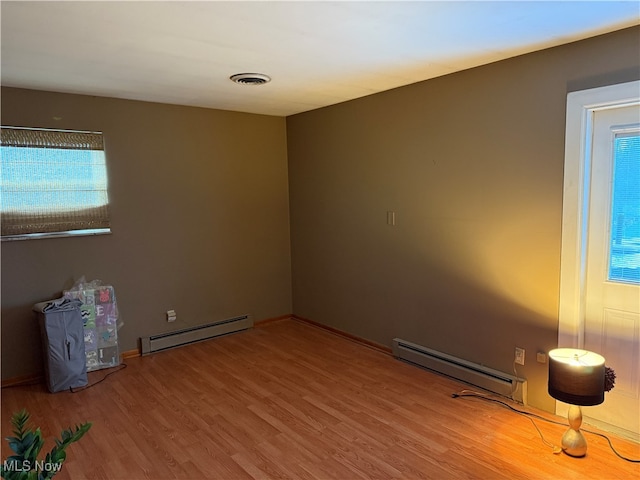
[581, 109]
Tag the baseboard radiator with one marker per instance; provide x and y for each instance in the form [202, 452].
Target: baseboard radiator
[463, 370]
[178, 338]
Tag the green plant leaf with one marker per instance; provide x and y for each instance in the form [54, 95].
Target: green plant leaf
[58, 455]
[19, 422]
[15, 444]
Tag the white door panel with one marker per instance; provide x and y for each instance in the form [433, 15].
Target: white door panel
[612, 308]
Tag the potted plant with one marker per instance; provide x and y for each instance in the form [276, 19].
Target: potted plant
[27, 444]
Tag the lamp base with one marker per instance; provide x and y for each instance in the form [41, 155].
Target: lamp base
[573, 442]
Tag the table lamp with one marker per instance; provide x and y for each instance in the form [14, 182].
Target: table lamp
[576, 377]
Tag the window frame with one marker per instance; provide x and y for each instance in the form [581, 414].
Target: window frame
[620, 277]
[53, 144]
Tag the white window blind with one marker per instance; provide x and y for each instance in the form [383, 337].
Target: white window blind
[624, 246]
[52, 182]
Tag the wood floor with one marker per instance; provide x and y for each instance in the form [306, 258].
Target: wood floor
[290, 400]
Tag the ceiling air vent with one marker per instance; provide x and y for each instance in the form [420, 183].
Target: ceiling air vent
[250, 78]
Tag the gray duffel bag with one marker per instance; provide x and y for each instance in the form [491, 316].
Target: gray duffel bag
[62, 332]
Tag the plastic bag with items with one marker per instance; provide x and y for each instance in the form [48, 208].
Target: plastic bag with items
[101, 322]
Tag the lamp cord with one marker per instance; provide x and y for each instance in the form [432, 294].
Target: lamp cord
[531, 416]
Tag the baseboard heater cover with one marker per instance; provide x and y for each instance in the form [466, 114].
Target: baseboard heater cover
[164, 341]
[463, 370]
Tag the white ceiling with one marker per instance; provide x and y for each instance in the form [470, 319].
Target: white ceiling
[317, 53]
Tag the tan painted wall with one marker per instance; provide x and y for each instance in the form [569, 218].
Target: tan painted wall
[472, 164]
[200, 220]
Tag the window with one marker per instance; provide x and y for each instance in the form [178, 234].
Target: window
[53, 182]
[624, 245]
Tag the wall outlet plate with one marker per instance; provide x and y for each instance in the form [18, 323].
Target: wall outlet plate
[519, 356]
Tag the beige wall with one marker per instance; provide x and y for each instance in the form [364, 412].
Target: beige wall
[472, 164]
[200, 220]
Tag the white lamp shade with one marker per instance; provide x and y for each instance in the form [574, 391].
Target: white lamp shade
[576, 376]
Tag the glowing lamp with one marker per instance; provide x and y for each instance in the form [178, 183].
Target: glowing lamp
[576, 377]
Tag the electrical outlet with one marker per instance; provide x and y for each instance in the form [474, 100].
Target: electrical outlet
[171, 315]
[519, 356]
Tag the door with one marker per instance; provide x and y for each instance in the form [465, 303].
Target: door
[612, 287]
[600, 262]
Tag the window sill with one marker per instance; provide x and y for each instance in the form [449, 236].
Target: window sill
[71, 233]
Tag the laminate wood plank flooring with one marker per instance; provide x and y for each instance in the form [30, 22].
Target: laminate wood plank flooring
[289, 400]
